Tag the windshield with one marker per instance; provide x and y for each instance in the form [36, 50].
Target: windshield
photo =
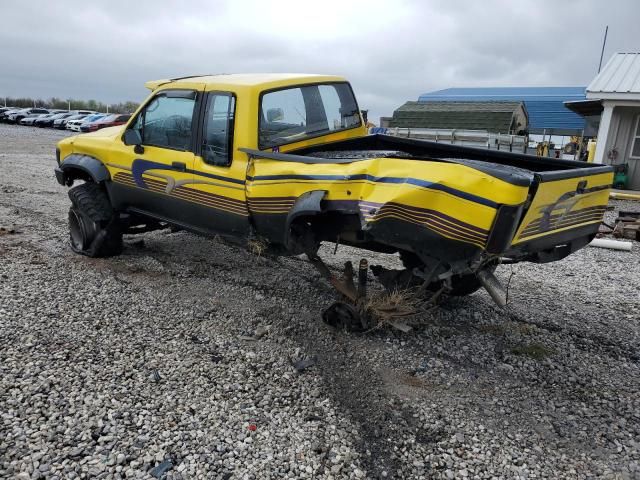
[294, 114]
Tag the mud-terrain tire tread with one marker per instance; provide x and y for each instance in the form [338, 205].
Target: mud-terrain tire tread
[92, 201]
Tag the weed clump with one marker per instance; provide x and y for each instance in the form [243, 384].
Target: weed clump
[537, 351]
[257, 246]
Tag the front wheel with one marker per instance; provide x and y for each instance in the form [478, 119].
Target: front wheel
[94, 229]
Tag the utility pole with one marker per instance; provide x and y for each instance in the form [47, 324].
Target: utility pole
[604, 42]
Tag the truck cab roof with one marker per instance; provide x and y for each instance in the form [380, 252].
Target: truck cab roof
[234, 81]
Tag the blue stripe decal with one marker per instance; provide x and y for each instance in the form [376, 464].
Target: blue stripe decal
[140, 166]
[395, 180]
[216, 177]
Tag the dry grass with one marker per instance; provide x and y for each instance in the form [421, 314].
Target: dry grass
[492, 329]
[257, 246]
[526, 329]
[387, 306]
[412, 381]
[536, 351]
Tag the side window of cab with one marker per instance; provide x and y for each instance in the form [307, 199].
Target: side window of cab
[217, 133]
[166, 121]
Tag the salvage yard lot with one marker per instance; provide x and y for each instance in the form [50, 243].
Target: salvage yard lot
[177, 356]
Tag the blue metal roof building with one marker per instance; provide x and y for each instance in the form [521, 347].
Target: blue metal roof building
[545, 105]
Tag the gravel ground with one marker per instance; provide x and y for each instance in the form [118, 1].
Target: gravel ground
[177, 355]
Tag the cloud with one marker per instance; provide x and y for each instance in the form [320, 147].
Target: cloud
[391, 51]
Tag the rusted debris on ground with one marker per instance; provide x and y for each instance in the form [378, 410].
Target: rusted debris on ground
[361, 310]
[8, 231]
[302, 364]
[627, 225]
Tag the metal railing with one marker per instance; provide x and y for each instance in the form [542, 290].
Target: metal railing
[470, 138]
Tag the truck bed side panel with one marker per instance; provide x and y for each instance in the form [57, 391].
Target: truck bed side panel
[453, 201]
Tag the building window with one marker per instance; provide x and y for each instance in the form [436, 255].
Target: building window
[635, 140]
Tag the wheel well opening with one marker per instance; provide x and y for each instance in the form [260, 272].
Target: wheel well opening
[72, 174]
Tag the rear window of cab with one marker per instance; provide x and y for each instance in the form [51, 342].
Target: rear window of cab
[295, 114]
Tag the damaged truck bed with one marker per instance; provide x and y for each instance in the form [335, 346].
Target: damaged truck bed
[285, 162]
[452, 212]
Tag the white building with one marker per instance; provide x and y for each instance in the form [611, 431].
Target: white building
[617, 87]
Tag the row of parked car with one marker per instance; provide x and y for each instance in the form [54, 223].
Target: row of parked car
[75, 120]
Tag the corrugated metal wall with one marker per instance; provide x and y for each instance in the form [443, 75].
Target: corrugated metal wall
[544, 104]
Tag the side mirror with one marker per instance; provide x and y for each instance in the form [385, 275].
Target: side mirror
[132, 137]
[275, 115]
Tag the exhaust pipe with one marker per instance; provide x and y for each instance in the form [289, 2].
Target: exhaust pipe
[492, 285]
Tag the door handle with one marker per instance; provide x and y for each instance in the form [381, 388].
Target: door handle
[180, 166]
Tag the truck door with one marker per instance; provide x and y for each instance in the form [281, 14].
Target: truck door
[148, 177]
[219, 170]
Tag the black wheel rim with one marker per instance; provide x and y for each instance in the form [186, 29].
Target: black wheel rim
[77, 231]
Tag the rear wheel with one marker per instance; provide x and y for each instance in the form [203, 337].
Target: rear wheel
[94, 229]
[461, 285]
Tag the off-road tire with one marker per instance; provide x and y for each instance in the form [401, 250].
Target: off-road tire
[94, 229]
[461, 285]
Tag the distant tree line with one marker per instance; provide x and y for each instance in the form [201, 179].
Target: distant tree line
[70, 104]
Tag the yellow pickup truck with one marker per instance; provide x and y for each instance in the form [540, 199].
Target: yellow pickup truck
[284, 160]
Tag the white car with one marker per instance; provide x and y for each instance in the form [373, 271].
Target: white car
[25, 112]
[61, 123]
[74, 125]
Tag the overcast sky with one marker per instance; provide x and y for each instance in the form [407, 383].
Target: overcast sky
[391, 50]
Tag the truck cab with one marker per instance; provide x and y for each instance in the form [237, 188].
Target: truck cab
[179, 158]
